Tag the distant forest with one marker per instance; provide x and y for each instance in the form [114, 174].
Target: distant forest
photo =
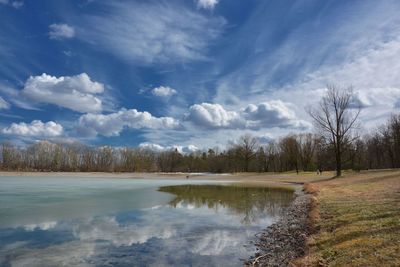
[295, 152]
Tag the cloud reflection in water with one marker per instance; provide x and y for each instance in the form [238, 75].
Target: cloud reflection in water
[200, 225]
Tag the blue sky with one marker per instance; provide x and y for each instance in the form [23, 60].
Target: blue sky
[194, 73]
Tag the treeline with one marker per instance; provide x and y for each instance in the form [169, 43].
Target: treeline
[295, 152]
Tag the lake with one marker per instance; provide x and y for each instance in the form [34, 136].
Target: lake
[72, 221]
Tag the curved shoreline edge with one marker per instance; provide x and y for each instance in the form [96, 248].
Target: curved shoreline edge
[285, 240]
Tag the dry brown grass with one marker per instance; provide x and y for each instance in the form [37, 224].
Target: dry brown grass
[358, 221]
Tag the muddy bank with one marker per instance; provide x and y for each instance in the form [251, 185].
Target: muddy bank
[285, 240]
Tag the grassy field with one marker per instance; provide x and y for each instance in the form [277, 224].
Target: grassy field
[357, 221]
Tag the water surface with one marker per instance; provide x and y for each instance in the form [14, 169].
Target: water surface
[49, 221]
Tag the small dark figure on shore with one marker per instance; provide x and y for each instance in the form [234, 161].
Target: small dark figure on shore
[187, 176]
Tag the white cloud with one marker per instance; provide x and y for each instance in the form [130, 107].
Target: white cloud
[163, 91]
[107, 228]
[190, 148]
[60, 31]
[112, 124]
[152, 32]
[207, 4]
[375, 67]
[373, 74]
[269, 114]
[4, 104]
[373, 97]
[160, 148]
[216, 242]
[42, 226]
[152, 147]
[34, 129]
[344, 53]
[13, 95]
[214, 116]
[74, 92]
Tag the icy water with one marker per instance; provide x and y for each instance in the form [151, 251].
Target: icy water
[49, 221]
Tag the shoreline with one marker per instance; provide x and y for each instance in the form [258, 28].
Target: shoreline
[285, 240]
[256, 179]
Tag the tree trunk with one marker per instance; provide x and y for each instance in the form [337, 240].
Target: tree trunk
[338, 162]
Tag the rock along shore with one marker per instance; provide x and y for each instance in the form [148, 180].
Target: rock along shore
[285, 240]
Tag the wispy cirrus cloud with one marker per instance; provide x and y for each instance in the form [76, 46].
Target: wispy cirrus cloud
[59, 31]
[4, 104]
[152, 32]
[372, 73]
[207, 4]
[347, 50]
[261, 78]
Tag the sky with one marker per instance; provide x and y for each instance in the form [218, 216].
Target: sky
[190, 73]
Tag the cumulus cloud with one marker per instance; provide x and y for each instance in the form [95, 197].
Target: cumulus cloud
[163, 91]
[152, 147]
[152, 32]
[73, 92]
[34, 129]
[159, 148]
[4, 104]
[112, 124]
[207, 4]
[60, 31]
[264, 115]
[190, 148]
[274, 113]
[214, 116]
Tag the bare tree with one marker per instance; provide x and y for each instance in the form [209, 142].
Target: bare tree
[307, 144]
[335, 118]
[261, 160]
[247, 147]
[290, 152]
[271, 157]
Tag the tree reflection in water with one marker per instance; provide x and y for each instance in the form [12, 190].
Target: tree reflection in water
[250, 202]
